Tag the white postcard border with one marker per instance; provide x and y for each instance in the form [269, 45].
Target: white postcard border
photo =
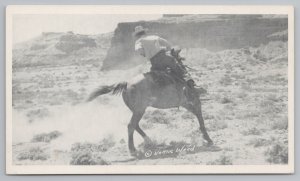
[148, 169]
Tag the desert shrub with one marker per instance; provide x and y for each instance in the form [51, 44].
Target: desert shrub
[225, 100]
[222, 160]
[242, 95]
[269, 107]
[274, 98]
[251, 131]
[196, 138]
[87, 158]
[216, 124]
[238, 76]
[258, 142]
[33, 154]
[207, 116]
[106, 143]
[90, 153]
[246, 86]
[228, 149]
[147, 125]
[259, 55]
[46, 81]
[226, 80]
[277, 153]
[187, 115]
[103, 146]
[228, 67]
[248, 114]
[277, 79]
[201, 90]
[37, 113]
[230, 108]
[46, 137]
[158, 116]
[71, 94]
[280, 124]
[246, 51]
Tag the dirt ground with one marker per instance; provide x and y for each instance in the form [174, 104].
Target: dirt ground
[245, 113]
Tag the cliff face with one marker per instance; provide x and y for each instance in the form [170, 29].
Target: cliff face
[54, 49]
[213, 32]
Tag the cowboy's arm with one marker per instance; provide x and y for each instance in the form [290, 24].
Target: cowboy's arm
[165, 43]
[139, 48]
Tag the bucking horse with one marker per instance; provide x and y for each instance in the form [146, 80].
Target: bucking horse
[152, 89]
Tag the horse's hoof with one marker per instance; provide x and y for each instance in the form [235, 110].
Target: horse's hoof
[133, 153]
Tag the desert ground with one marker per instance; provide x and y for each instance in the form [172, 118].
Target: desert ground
[245, 112]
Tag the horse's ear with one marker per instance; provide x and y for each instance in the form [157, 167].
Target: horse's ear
[176, 50]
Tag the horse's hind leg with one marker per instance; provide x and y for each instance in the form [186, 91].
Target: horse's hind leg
[142, 133]
[133, 124]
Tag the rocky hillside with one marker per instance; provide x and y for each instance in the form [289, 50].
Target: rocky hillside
[212, 32]
[56, 49]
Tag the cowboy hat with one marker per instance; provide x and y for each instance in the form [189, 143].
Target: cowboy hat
[139, 29]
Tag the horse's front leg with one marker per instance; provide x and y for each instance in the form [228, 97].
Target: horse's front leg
[202, 127]
[196, 110]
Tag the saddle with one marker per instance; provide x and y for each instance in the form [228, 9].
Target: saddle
[161, 78]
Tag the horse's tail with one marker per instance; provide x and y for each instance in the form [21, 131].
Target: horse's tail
[115, 89]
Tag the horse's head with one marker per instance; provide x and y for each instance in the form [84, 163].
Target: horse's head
[175, 52]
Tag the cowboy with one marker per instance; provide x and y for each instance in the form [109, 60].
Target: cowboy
[155, 49]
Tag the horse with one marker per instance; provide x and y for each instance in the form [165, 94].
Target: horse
[156, 90]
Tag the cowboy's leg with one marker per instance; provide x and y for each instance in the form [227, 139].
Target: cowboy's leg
[189, 90]
[183, 71]
[163, 61]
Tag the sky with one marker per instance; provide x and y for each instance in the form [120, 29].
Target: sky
[26, 27]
